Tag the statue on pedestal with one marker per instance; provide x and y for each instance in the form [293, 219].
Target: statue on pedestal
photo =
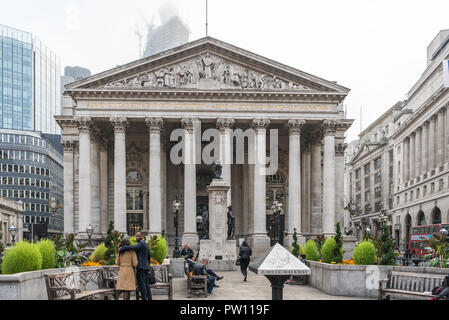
[218, 170]
[205, 225]
[231, 224]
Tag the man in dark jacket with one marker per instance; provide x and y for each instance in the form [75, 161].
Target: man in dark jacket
[200, 269]
[143, 266]
[187, 252]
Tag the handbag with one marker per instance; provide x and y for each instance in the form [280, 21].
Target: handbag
[151, 276]
[238, 262]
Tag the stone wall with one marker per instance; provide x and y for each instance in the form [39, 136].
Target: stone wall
[354, 280]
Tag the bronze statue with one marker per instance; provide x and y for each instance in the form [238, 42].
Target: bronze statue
[231, 224]
[218, 170]
[205, 225]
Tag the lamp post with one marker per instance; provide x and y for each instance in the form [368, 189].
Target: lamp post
[13, 230]
[368, 232]
[444, 232]
[89, 231]
[277, 208]
[176, 208]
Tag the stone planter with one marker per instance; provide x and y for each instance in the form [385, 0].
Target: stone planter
[29, 285]
[355, 280]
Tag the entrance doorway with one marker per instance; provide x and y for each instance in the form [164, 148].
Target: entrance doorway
[275, 191]
[134, 210]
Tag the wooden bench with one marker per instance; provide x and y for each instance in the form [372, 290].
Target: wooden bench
[78, 285]
[406, 284]
[195, 284]
[164, 280]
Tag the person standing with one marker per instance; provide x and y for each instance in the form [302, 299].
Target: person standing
[245, 257]
[143, 266]
[187, 252]
[127, 260]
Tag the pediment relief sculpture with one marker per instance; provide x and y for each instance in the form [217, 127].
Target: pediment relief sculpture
[206, 71]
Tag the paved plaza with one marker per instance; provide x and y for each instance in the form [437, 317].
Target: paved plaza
[256, 288]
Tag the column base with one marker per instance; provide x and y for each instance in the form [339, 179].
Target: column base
[191, 239]
[259, 244]
[288, 240]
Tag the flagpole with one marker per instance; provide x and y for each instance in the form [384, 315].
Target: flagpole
[207, 19]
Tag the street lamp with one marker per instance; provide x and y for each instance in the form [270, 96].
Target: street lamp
[176, 209]
[368, 231]
[89, 231]
[277, 208]
[444, 232]
[13, 230]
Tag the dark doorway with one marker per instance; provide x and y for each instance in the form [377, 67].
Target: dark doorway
[271, 228]
[134, 223]
[436, 216]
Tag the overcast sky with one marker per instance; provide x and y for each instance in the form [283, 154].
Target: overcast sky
[375, 48]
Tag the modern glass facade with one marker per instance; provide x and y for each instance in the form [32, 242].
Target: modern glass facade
[29, 83]
[31, 171]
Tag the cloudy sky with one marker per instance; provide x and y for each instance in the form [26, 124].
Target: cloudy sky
[375, 48]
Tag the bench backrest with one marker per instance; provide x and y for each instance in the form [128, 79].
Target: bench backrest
[161, 273]
[416, 282]
[80, 280]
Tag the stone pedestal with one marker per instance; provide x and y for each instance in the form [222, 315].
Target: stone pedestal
[220, 252]
[349, 245]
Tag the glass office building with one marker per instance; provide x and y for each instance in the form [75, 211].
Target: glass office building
[29, 83]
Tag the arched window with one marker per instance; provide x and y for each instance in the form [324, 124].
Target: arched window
[275, 178]
[436, 216]
[421, 219]
[134, 177]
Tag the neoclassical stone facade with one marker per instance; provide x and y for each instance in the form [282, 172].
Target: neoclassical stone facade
[118, 133]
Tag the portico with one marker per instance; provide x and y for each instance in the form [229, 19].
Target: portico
[120, 136]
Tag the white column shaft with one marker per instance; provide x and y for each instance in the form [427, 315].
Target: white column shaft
[329, 185]
[155, 186]
[120, 181]
[95, 181]
[68, 190]
[85, 189]
[260, 183]
[294, 184]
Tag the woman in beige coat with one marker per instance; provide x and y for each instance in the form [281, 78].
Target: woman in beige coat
[126, 276]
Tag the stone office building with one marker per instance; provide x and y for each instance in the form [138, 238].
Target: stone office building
[118, 154]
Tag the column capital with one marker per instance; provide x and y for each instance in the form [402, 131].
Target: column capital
[224, 124]
[419, 129]
[84, 124]
[295, 126]
[260, 124]
[329, 127]
[434, 116]
[188, 124]
[68, 146]
[119, 124]
[155, 125]
[442, 109]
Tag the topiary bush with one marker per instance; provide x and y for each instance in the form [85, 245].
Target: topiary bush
[158, 248]
[99, 253]
[364, 253]
[295, 248]
[21, 258]
[311, 251]
[48, 252]
[327, 250]
[338, 250]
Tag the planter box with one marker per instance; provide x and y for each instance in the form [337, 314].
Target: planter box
[355, 280]
[29, 285]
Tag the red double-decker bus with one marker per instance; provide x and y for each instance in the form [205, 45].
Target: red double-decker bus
[419, 235]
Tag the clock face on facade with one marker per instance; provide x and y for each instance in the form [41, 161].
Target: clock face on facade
[53, 204]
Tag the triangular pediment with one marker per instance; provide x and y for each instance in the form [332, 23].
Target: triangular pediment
[207, 64]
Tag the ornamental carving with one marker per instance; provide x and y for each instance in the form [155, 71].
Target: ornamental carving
[188, 124]
[329, 127]
[219, 197]
[155, 125]
[224, 124]
[68, 146]
[295, 126]
[260, 124]
[84, 124]
[206, 71]
[119, 124]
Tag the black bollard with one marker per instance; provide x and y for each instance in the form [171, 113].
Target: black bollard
[277, 286]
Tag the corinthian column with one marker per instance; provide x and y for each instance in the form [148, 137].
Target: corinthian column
[405, 160]
[432, 144]
[225, 126]
[329, 129]
[418, 152]
[260, 240]
[190, 235]
[69, 221]
[440, 138]
[95, 181]
[424, 148]
[85, 189]
[155, 126]
[119, 125]
[412, 156]
[294, 178]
